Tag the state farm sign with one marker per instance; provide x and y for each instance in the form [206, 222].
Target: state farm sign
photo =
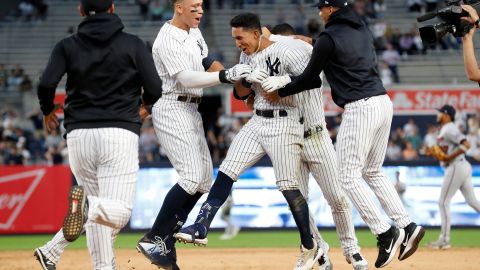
[33, 199]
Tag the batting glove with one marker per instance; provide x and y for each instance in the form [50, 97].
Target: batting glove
[273, 83]
[257, 76]
[237, 72]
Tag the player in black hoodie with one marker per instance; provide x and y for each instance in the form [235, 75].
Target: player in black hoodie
[106, 70]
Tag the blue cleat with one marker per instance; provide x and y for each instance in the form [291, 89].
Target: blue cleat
[195, 234]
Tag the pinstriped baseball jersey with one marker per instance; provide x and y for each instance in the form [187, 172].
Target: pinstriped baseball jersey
[175, 50]
[279, 60]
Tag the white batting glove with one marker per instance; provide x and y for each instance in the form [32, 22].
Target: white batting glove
[237, 72]
[257, 76]
[274, 83]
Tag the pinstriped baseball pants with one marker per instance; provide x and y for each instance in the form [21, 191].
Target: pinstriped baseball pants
[179, 129]
[319, 158]
[361, 147]
[105, 162]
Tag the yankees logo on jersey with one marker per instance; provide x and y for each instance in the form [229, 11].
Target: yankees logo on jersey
[273, 67]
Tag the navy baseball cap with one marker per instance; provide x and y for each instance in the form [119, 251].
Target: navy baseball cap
[92, 7]
[449, 110]
[331, 3]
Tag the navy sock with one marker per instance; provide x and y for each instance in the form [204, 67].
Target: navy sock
[299, 208]
[217, 196]
[174, 201]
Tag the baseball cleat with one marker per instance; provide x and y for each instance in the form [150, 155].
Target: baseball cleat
[43, 260]
[388, 244]
[77, 214]
[413, 236]
[158, 251]
[357, 261]
[439, 244]
[324, 262]
[195, 234]
[308, 257]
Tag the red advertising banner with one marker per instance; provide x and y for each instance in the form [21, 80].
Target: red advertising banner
[33, 199]
[406, 101]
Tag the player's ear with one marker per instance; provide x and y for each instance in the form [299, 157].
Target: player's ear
[178, 8]
[81, 11]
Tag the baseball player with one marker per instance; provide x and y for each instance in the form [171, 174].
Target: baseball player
[458, 171]
[106, 69]
[181, 58]
[275, 130]
[318, 156]
[346, 53]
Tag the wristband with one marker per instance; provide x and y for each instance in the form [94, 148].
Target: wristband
[246, 84]
[222, 76]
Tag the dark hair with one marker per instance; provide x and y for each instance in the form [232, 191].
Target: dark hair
[283, 29]
[248, 21]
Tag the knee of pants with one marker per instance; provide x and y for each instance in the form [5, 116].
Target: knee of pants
[338, 203]
[117, 218]
[442, 203]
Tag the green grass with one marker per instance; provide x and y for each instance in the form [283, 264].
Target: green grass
[460, 238]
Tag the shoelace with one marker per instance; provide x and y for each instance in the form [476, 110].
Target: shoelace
[162, 246]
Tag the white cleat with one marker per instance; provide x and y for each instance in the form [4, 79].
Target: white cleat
[439, 244]
[308, 257]
[357, 261]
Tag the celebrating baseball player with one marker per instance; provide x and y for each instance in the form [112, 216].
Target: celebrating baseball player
[319, 158]
[181, 58]
[346, 53]
[275, 130]
[106, 69]
[458, 171]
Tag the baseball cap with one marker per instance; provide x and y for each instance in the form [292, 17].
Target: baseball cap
[331, 3]
[449, 110]
[92, 7]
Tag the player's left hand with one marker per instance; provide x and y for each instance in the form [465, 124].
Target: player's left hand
[144, 114]
[273, 83]
[272, 96]
[237, 72]
[50, 121]
[257, 76]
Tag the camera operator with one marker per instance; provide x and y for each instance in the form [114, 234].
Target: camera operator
[471, 66]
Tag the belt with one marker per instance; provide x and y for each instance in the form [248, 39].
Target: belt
[270, 113]
[189, 99]
[311, 131]
[454, 161]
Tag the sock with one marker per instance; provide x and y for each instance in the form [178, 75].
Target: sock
[299, 209]
[190, 203]
[217, 196]
[182, 214]
[175, 199]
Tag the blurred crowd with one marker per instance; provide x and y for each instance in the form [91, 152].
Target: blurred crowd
[14, 80]
[31, 10]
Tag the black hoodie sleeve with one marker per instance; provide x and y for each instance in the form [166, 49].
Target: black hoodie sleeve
[310, 78]
[151, 82]
[52, 75]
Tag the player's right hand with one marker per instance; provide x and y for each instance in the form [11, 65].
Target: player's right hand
[237, 72]
[257, 76]
[144, 114]
[273, 83]
[50, 121]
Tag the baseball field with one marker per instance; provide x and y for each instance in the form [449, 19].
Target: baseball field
[249, 250]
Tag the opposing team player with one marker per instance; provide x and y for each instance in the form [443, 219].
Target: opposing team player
[458, 171]
[275, 130]
[181, 58]
[345, 52]
[319, 158]
[106, 69]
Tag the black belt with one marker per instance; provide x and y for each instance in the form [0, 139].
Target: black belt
[190, 99]
[311, 131]
[270, 113]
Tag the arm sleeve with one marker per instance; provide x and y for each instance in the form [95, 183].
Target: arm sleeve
[198, 79]
[151, 82]
[310, 78]
[52, 75]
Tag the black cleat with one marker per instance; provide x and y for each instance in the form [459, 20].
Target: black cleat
[159, 251]
[43, 260]
[413, 236]
[388, 244]
[77, 214]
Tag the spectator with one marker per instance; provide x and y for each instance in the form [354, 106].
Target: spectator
[379, 30]
[415, 5]
[3, 77]
[430, 138]
[431, 5]
[385, 74]
[313, 27]
[391, 57]
[148, 143]
[394, 151]
[15, 79]
[144, 5]
[415, 140]
[25, 10]
[407, 45]
[26, 85]
[409, 153]
[161, 11]
[410, 127]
